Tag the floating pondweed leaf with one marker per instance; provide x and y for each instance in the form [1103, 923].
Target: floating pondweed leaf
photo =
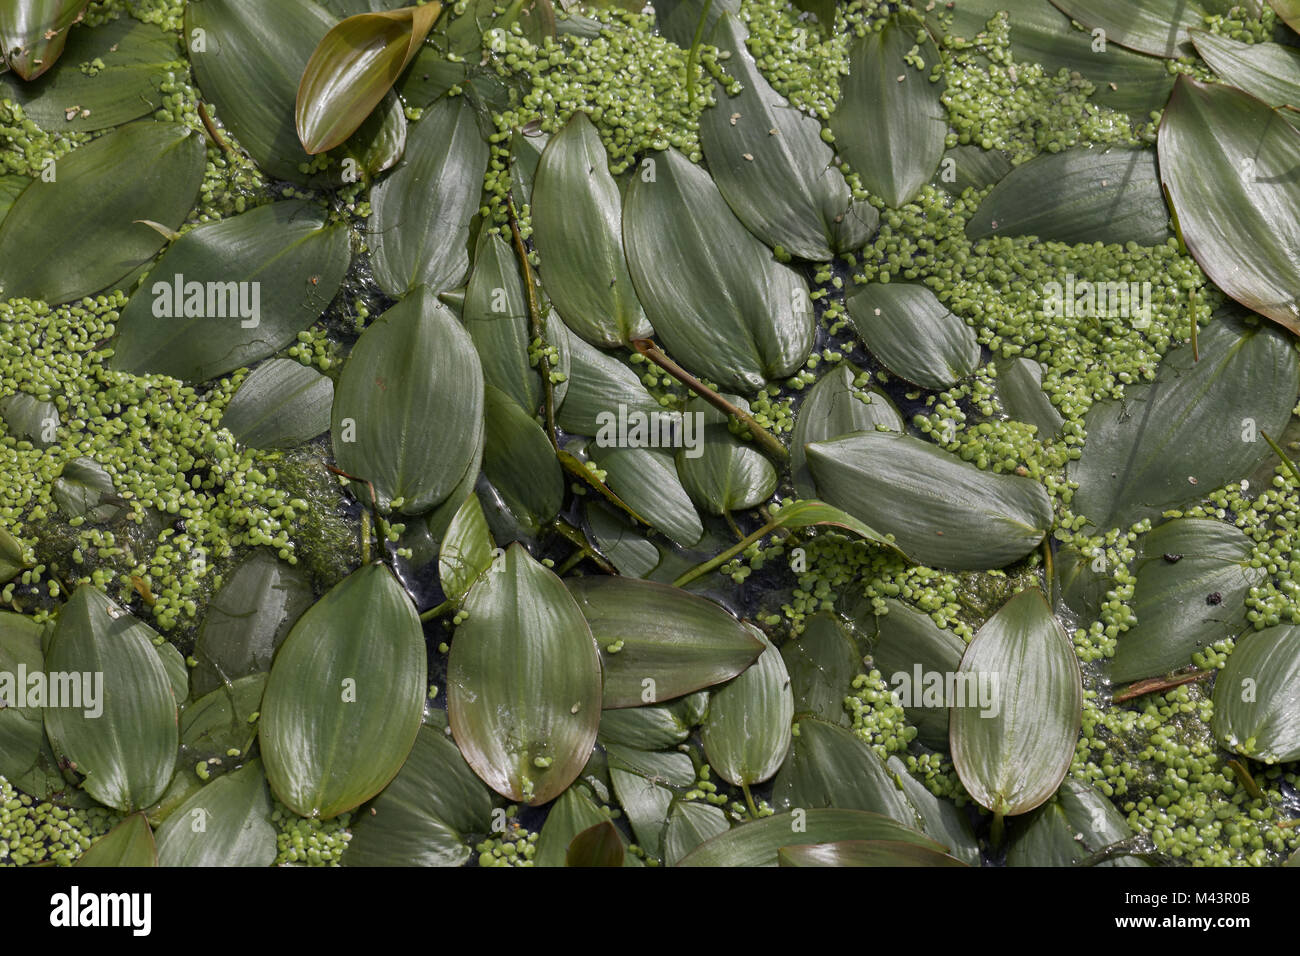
[1069, 828]
[578, 229]
[690, 823]
[747, 731]
[1257, 696]
[22, 728]
[572, 813]
[631, 553]
[722, 473]
[345, 696]
[643, 783]
[1085, 194]
[526, 148]
[11, 556]
[526, 729]
[659, 642]
[1020, 390]
[771, 164]
[1154, 27]
[829, 766]
[1269, 71]
[1172, 599]
[646, 728]
[495, 313]
[467, 550]
[941, 820]
[759, 843]
[833, 407]
[419, 228]
[130, 843]
[1288, 10]
[422, 817]
[715, 295]
[227, 823]
[379, 142]
[910, 648]
[136, 58]
[249, 62]
[1230, 164]
[971, 167]
[646, 479]
[890, 122]
[1082, 580]
[27, 418]
[889, 853]
[599, 845]
[281, 404]
[178, 672]
[679, 20]
[34, 33]
[1195, 428]
[408, 408]
[939, 509]
[355, 64]
[913, 334]
[822, 662]
[229, 293]
[1017, 707]
[85, 490]
[145, 170]
[604, 391]
[118, 725]
[1041, 34]
[224, 719]
[520, 462]
[248, 619]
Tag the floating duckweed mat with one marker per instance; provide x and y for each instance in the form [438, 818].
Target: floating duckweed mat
[720, 433]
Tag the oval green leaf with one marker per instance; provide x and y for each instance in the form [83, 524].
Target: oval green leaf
[910, 331]
[659, 642]
[1085, 194]
[939, 509]
[771, 165]
[248, 619]
[1257, 697]
[408, 408]
[890, 123]
[419, 227]
[1013, 742]
[527, 728]
[1173, 600]
[1193, 429]
[746, 734]
[118, 720]
[345, 696]
[229, 293]
[146, 170]
[422, 816]
[715, 295]
[759, 843]
[1229, 163]
[578, 228]
[281, 404]
[227, 823]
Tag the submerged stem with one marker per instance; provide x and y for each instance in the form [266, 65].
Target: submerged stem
[536, 320]
[721, 559]
[765, 439]
[694, 53]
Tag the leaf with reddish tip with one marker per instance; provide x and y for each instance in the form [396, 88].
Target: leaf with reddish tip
[35, 31]
[353, 66]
